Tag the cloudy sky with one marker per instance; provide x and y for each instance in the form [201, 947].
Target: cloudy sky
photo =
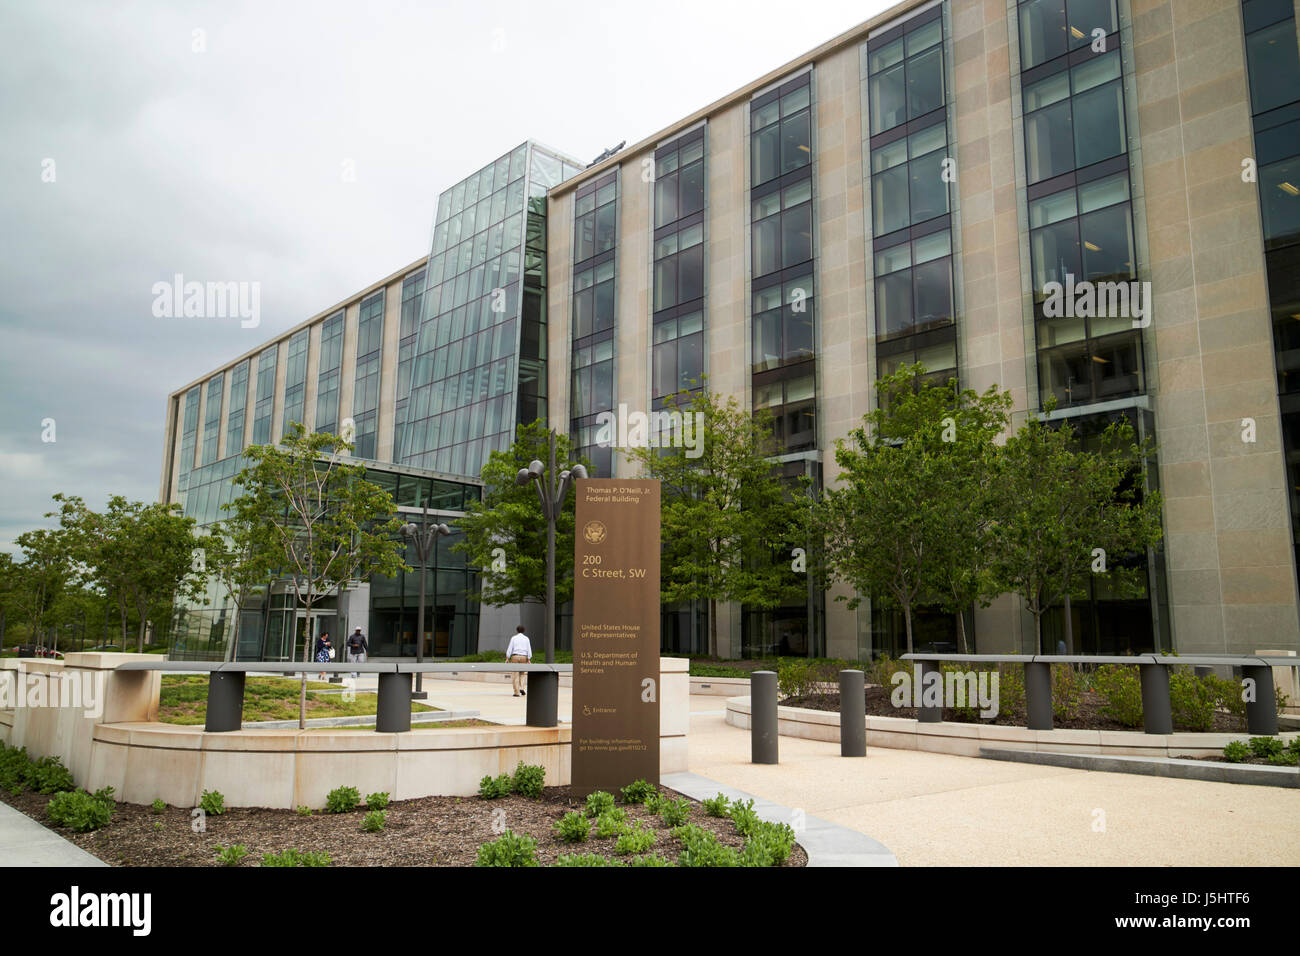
[141, 140]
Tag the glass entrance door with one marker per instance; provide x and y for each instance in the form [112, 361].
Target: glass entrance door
[313, 624]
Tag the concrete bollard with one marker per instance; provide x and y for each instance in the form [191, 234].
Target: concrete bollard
[1157, 713]
[762, 717]
[1261, 713]
[930, 715]
[853, 714]
[1038, 695]
[543, 705]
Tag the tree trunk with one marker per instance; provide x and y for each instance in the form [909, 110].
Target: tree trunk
[233, 642]
[961, 631]
[907, 616]
[306, 644]
[1069, 625]
[139, 641]
[1038, 630]
[713, 627]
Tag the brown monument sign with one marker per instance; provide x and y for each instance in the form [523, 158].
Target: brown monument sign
[615, 634]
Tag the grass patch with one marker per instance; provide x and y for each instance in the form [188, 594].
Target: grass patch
[184, 700]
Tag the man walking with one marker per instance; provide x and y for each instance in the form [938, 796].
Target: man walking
[520, 651]
[356, 648]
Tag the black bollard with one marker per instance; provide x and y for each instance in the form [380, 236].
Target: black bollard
[1261, 713]
[853, 714]
[393, 715]
[1038, 695]
[543, 706]
[930, 715]
[225, 702]
[762, 717]
[1157, 714]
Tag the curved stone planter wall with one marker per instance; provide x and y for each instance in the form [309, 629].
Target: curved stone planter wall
[904, 733]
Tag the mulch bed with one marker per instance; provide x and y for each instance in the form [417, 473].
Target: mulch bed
[430, 831]
[1089, 717]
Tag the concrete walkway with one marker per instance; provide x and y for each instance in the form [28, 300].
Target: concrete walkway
[934, 809]
[24, 842]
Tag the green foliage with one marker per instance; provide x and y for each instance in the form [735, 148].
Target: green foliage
[573, 827]
[13, 769]
[635, 839]
[769, 844]
[702, 848]
[1119, 684]
[48, 775]
[716, 806]
[342, 800]
[528, 780]
[1265, 746]
[304, 811]
[374, 821]
[1068, 686]
[1193, 700]
[80, 811]
[493, 788]
[611, 823]
[510, 849]
[744, 817]
[213, 803]
[654, 802]
[723, 514]
[1285, 758]
[377, 801]
[231, 855]
[650, 859]
[638, 791]
[674, 812]
[510, 517]
[1236, 752]
[586, 859]
[159, 805]
[599, 802]
[293, 857]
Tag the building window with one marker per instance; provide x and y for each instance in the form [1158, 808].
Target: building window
[1074, 118]
[908, 184]
[327, 377]
[212, 418]
[793, 404]
[365, 395]
[679, 179]
[914, 286]
[593, 316]
[264, 404]
[412, 300]
[1051, 28]
[906, 75]
[189, 430]
[235, 413]
[781, 141]
[783, 323]
[295, 380]
[782, 228]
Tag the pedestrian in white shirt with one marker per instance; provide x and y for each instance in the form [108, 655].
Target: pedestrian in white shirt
[519, 651]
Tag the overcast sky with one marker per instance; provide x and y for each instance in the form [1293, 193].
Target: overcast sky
[133, 148]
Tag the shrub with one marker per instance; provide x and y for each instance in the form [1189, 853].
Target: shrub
[585, 859]
[611, 823]
[573, 827]
[674, 812]
[159, 805]
[638, 791]
[598, 802]
[13, 769]
[650, 859]
[744, 817]
[213, 803]
[374, 821]
[1118, 683]
[293, 857]
[636, 839]
[1011, 689]
[509, 849]
[80, 811]
[716, 806]
[492, 788]
[1227, 694]
[342, 800]
[970, 710]
[231, 855]
[1236, 752]
[48, 775]
[1193, 700]
[794, 679]
[304, 811]
[655, 802]
[1294, 746]
[883, 670]
[769, 844]
[529, 780]
[701, 848]
[377, 801]
[1067, 692]
[1285, 758]
[1265, 746]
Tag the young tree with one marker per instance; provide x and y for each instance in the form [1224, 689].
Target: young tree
[911, 521]
[727, 522]
[1064, 507]
[505, 533]
[326, 523]
[240, 555]
[47, 568]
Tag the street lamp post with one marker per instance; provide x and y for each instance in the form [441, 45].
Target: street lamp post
[425, 539]
[552, 491]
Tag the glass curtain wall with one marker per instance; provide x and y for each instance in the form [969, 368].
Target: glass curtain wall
[678, 336]
[212, 418]
[595, 236]
[238, 406]
[327, 375]
[408, 335]
[295, 380]
[365, 394]
[264, 404]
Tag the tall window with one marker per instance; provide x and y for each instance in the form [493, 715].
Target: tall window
[594, 238]
[189, 429]
[365, 395]
[906, 73]
[212, 418]
[327, 375]
[235, 413]
[295, 379]
[678, 320]
[1052, 28]
[408, 336]
[1074, 118]
[264, 404]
